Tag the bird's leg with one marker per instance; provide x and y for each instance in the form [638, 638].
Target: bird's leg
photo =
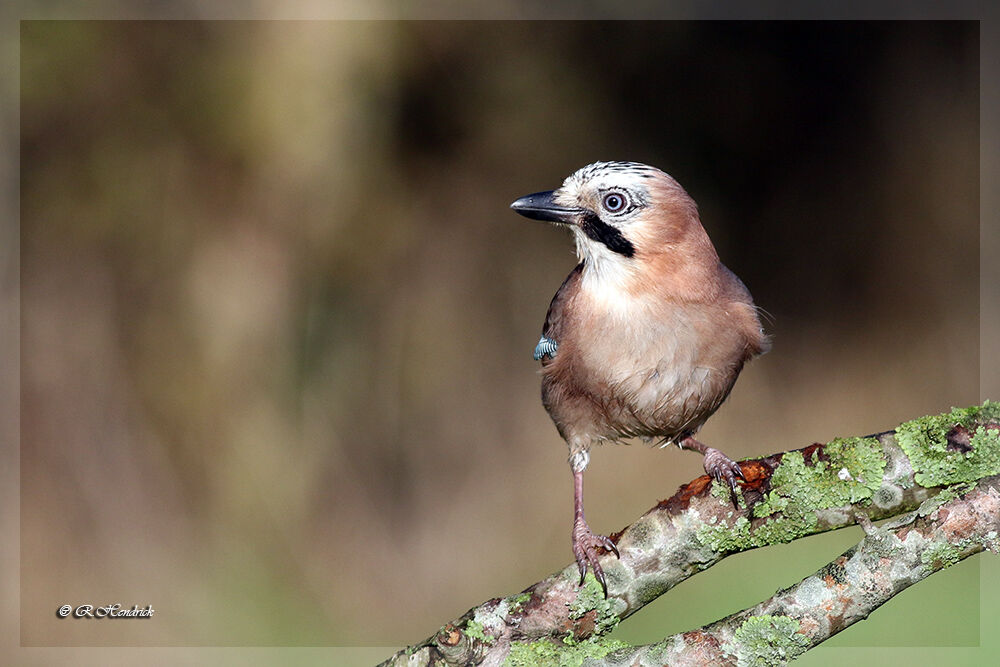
[586, 544]
[717, 465]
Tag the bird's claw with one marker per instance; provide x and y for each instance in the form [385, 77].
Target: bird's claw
[586, 544]
[725, 470]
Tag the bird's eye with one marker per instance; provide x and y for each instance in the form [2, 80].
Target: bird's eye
[614, 202]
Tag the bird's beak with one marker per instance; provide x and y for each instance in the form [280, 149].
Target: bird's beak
[541, 206]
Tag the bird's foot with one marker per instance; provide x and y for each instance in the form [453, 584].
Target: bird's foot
[586, 547]
[723, 469]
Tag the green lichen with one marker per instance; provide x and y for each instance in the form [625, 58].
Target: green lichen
[517, 601]
[942, 554]
[925, 443]
[723, 492]
[772, 504]
[548, 653]
[851, 471]
[722, 538]
[591, 598]
[475, 630]
[860, 462]
[738, 537]
[767, 640]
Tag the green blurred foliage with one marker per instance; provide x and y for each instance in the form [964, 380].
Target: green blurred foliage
[277, 319]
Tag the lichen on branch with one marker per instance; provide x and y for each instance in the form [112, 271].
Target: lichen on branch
[888, 560]
[929, 465]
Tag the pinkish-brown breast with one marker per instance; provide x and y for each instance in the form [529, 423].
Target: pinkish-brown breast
[648, 365]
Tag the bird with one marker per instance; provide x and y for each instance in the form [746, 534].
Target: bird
[647, 335]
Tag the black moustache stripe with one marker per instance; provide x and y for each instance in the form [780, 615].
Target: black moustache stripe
[602, 232]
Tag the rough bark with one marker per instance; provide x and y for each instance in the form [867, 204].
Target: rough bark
[888, 560]
[953, 458]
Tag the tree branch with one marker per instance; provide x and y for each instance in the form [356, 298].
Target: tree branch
[791, 495]
[888, 560]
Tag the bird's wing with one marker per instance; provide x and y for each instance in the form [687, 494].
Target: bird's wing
[554, 321]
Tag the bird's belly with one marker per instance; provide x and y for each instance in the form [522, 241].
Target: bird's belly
[660, 401]
[660, 386]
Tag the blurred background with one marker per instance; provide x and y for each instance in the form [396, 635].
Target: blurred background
[277, 319]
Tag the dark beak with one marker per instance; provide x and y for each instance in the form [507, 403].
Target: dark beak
[540, 206]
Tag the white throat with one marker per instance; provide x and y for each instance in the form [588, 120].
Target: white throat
[606, 274]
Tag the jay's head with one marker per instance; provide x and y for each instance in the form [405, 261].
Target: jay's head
[623, 213]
